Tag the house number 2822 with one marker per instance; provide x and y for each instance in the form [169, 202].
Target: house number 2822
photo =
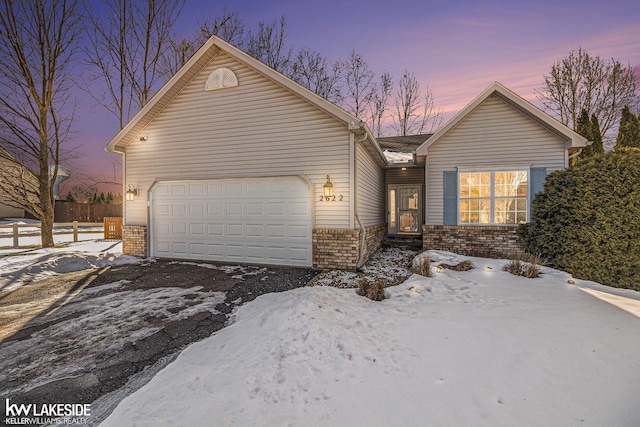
[331, 198]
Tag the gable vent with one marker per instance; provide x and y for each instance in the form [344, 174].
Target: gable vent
[221, 78]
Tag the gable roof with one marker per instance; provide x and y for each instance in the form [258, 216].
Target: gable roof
[213, 47]
[403, 144]
[573, 140]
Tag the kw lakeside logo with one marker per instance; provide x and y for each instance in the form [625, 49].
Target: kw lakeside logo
[46, 413]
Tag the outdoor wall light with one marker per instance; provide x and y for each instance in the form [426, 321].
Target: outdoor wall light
[143, 138]
[131, 193]
[328, 188]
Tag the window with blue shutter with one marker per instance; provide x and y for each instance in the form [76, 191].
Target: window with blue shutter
[538, 178]
[450, 197]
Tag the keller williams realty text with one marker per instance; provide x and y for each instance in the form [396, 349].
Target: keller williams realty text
[25, 413]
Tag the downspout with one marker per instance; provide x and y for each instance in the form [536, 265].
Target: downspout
[355, 199]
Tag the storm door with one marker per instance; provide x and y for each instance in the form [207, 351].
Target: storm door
[404, 209]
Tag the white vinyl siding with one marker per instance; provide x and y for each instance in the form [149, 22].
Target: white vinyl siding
[369, 189]
[257, 129]
[496, 136]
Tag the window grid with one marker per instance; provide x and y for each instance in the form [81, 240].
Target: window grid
[499, 197]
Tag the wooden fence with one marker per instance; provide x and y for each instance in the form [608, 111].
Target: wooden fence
[113, 227]
[85, 212]
[75, 230]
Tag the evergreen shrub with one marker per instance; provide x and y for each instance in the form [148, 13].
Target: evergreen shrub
[587, 220]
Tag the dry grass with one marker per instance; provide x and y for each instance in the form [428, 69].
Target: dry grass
[529, 267]
[461, 266]
[372, 290]
[421, 265]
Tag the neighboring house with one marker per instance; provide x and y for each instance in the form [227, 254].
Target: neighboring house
[9, 181]
[232, 161]
[7, 211]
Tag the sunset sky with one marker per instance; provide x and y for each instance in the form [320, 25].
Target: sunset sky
[456, 48]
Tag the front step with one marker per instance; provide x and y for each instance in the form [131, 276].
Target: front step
[413, 242]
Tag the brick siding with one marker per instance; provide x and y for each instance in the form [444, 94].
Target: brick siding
[373, 238]
[134, 240]
[481, 241]
[332, 248]
[339, 248]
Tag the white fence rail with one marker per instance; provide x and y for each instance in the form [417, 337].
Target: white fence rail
[59, 229]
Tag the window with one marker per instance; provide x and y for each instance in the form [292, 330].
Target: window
[496, 197]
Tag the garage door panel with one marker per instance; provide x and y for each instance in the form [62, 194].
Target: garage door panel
[214, 209]
[234, 189]
[234, 208]
[179, 189]
[298, 209]
[234, 231]
[299, 231]
[255, 231]
[255, 208]
[253, 220]
[215, 230]
[276, 209]
[178, 208]
[196, 229]
[196, 189]
[197, 250]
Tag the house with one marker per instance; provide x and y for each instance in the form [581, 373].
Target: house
[232, 161]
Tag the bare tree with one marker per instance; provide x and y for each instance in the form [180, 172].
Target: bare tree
[313, 71]
[380, 103]
[127, 41]
[359, 86]
[580, 81]
[268, 44]
[228, 26]
[414, 112]
[37, 48]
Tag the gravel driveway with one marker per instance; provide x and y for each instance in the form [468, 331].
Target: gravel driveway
[99, 334]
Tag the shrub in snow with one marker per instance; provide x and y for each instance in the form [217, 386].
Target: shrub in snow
[521, 268]
[461, 266]
[587, 219]
[372, 290]
[421, 265]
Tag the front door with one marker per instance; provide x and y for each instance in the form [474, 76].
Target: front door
[404, 209]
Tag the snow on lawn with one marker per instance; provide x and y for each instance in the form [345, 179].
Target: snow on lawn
[480, 347]
[21, 267]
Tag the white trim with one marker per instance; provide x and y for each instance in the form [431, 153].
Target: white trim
[494, 168]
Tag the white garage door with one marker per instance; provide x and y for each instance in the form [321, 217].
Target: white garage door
[261, 221]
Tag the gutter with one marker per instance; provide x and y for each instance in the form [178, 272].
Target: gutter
[363, 232]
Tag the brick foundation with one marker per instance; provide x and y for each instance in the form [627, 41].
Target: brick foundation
[481, 241]
[339, 248]
[134, 240]
[373, 238]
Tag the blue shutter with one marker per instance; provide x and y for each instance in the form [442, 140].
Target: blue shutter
[450, 198]
[538, 178]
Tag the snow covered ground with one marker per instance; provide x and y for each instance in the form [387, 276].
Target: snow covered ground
[480, 347]
[20, 266]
